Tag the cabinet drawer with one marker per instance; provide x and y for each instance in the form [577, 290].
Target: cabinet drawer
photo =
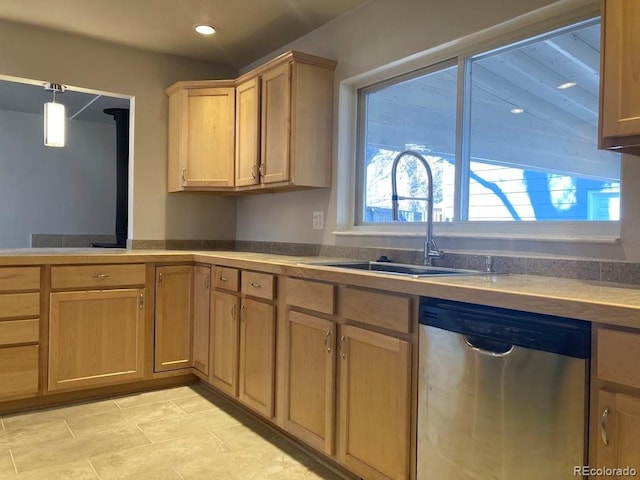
[97, 276]
[617, 359]
[261, 285]
[19, 305]
[316, 296]
[18, 370]
[19, 331]
[226, 278]
[13, 279]
[378, 309]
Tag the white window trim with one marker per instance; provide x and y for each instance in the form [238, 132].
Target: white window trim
[538, 22]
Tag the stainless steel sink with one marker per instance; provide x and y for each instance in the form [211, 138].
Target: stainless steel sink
[404, 269]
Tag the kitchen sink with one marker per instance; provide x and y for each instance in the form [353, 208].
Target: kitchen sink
[405, 269]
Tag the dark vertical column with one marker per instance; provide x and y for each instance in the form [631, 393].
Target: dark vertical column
[121, 117]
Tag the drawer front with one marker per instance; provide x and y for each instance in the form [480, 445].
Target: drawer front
[261, 285]
[617, 357]
[316, 296]
[97, 276]
[14, 279]
[18, 370]
[227, 278]
[19, 331]
[382, 310]
[19, 305]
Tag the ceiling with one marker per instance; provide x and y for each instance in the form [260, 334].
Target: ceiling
[246, 29]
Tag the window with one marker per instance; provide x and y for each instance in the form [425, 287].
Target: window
[521, 148]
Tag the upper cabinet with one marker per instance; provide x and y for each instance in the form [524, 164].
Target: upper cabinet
[620, 76]
[281, 129]
[201, 135]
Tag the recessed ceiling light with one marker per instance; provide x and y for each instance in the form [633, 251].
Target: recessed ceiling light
[205, 29]
[564, 86]
[517, 110]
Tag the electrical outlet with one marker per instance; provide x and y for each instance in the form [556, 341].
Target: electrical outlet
[318, 220]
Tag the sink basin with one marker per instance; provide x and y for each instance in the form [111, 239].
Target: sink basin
[409, 270]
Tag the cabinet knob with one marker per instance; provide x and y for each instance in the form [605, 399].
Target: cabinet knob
[223, 279]
[604, 423]
[184, 175]
[160, 279]
[141, 301]
[327, 341]
[233, 311]
[343, 353]
[253, 172]
[256, 285]
[242, 313]
[206, 281]
[101, 276]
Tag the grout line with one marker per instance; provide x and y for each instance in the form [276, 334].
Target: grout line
[13, 461]
[179, 407]
[2, 423]
[93, 468]
[117, 404]
[177, 472]
[69, 428]
[146, 436]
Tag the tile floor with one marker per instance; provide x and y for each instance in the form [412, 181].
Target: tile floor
[178, 433]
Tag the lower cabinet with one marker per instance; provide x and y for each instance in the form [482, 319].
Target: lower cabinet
[19, 370]
[95, 338]
[223, 371]
[257, 356]
[201, 318]
[374, 403]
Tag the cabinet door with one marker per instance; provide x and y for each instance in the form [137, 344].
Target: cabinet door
[257, 356]
[224, 343]
[618, 432]
[620, 95]
[201, 304]
[247, 137]
[208, 137]
[173, 317]
[374, 404]
[275, 124]
[96, 338]
[309, 402]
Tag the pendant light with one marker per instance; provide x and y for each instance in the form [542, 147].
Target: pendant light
[54, 118]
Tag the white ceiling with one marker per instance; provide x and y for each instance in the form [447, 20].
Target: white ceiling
[247, 29]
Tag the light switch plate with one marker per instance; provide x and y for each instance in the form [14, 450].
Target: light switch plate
[318, 220]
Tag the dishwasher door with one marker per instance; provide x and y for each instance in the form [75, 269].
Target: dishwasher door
[513, 414]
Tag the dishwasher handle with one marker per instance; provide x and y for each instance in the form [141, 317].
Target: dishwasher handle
[488, 347]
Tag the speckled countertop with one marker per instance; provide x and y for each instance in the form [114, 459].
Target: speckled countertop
[607, 303]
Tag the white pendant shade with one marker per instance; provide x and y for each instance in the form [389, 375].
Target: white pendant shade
[54, 124]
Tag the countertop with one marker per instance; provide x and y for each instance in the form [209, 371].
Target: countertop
[607, 303]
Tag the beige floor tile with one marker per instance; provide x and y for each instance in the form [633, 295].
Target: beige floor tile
[79, 470]
[128, 416]
[20, 420]
[130, 464]
[72, 449]
[194, 404]
[155, 396]
[34, 434]
[191, 424]
[6, 464]
[255, 436]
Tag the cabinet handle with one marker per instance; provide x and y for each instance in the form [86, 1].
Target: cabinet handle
[242, 313]
[343, 353]
[256, 285]
[261, 169]
[253, 172]
[160, 279]
[327, 341]
[223, 279]
[604, 422]
[206, 281]
[141, 301]
[184, 174]
[100, 276]
[233, 311]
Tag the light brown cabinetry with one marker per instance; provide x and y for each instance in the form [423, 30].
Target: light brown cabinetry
[620, 76]
[224, 342]
[201, 135]
[615, 415]
[19, 331]
[247, 132]
[173, 318]
[201, 318]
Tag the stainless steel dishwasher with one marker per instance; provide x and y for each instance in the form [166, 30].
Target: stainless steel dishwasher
[502, 394]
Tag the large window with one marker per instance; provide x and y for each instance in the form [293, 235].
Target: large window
[523, 147]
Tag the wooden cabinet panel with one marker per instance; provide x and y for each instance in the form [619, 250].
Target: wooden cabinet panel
[174, 314]
[247, 134]
[15, 279]
[617, 356]
[18, 370]
[19, 305]
[310, 380]
[227, 278]
[256, 284]
[374, 404]
[257, 356]
[19, 331]
[224, 342]
[384, 310]
[95, 338]
[201, 319]
[316, 296]
[96, 276]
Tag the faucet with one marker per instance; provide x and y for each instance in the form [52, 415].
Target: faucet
[431, 250]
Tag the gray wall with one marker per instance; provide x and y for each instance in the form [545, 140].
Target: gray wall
[67, 190]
